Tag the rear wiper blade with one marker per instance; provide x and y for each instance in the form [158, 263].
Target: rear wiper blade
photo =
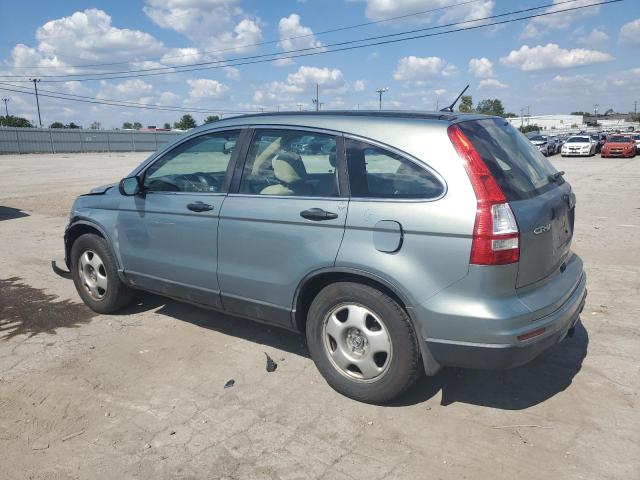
[555, 176]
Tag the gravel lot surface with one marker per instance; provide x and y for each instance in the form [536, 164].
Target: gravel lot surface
[140, 394]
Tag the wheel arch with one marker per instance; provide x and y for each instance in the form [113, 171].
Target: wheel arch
[80, 227]
[311, 285]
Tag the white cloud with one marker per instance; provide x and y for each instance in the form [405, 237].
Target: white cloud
[540, 25]
[231, 73]
[630, 33]
[595, 38]
[384, 9]
[492, 83]
[132, 90]
[418, 70]
[83, 37]
[481, 67]
[204, 88]
[551, 56]
[303, 80]
[181, 56]
[359, 86]
[213, 25]
[294, 36]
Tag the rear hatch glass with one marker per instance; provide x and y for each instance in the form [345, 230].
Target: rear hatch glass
[544, 208]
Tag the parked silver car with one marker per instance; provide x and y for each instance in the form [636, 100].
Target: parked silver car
[398, 242]
[545, 144]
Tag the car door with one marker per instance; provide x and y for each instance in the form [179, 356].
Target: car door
[167, 235]
[283, 219]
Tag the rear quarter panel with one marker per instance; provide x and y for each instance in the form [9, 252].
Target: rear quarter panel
[436, 234]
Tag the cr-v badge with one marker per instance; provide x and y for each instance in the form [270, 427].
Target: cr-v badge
[542, 229]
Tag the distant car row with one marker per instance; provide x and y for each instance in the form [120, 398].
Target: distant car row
[587, 145]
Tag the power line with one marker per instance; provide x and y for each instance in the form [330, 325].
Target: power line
[278, 56]
[268, 42]
[140, 106]
[123, 102]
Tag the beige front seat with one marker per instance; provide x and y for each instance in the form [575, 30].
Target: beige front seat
[290, 172]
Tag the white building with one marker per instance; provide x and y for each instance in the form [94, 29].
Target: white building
[549, 122]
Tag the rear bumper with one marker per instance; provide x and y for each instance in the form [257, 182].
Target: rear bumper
[509, 355]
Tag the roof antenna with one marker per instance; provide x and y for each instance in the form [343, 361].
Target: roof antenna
[450, 107]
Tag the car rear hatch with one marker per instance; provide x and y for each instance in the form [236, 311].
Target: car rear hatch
[541, 201]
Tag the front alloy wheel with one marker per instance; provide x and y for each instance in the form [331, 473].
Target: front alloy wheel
[93, 274]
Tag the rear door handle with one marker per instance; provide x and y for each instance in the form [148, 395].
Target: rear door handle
[199, 207]
[318, 214]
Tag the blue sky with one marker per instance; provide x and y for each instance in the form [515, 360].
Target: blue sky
[554, 64]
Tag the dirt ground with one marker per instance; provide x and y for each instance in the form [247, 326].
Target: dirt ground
[141, 394]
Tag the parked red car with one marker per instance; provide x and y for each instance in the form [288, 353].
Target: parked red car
[619, 146]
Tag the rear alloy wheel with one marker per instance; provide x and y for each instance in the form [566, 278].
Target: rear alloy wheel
[362, 342]
[95, 275]
[356, 342]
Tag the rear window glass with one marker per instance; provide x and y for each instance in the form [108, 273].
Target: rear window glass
[516, 164]
[578, 140]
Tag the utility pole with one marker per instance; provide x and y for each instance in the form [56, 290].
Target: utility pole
[635, 107]
[380, 92]
[5, 100]
[316, 100]
[522, 117]
[300, 105]
[35, 86]
[595, 109]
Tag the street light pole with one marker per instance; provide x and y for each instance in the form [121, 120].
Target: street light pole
[380, 92]
[35, 86]
[5, 100]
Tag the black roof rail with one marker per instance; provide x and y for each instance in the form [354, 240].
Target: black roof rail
[358, 113]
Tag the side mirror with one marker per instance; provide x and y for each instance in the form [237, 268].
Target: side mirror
[130, 186]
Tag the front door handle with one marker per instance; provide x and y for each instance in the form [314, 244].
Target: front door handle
[199, 207]
[318, 214]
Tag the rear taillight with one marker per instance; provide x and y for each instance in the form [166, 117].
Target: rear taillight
[495, 233]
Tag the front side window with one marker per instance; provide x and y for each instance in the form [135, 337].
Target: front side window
[198, 165]
[291, 163]
[378, 173]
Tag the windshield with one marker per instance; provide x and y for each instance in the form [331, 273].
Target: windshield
[520, 170]
[619, 139]
[578, 140]
[538, 138]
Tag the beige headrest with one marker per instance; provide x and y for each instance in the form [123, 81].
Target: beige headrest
[288, 168]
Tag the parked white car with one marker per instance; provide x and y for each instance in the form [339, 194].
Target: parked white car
[579, 145]
[636, 138]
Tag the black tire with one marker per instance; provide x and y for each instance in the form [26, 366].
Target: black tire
[404, 366]
[117, 294]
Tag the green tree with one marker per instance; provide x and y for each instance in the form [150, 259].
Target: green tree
[580, 113]
[137, 125]
[490, 106]
[127, 126]
[510, 115]
[11, 121]
[185, 123]
[57, 125]
[211, 119]
[72, 125]
[167, 126]
[466, 104]
[529, 128]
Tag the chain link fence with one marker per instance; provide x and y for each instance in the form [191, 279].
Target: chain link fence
[59, 140]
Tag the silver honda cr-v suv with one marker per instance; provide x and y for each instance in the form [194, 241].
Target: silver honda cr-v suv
[398, 242]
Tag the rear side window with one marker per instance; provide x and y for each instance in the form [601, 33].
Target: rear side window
[520, 170]
[378, 173]
[291, 163]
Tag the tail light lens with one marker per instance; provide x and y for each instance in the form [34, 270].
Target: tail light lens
[496, 238]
